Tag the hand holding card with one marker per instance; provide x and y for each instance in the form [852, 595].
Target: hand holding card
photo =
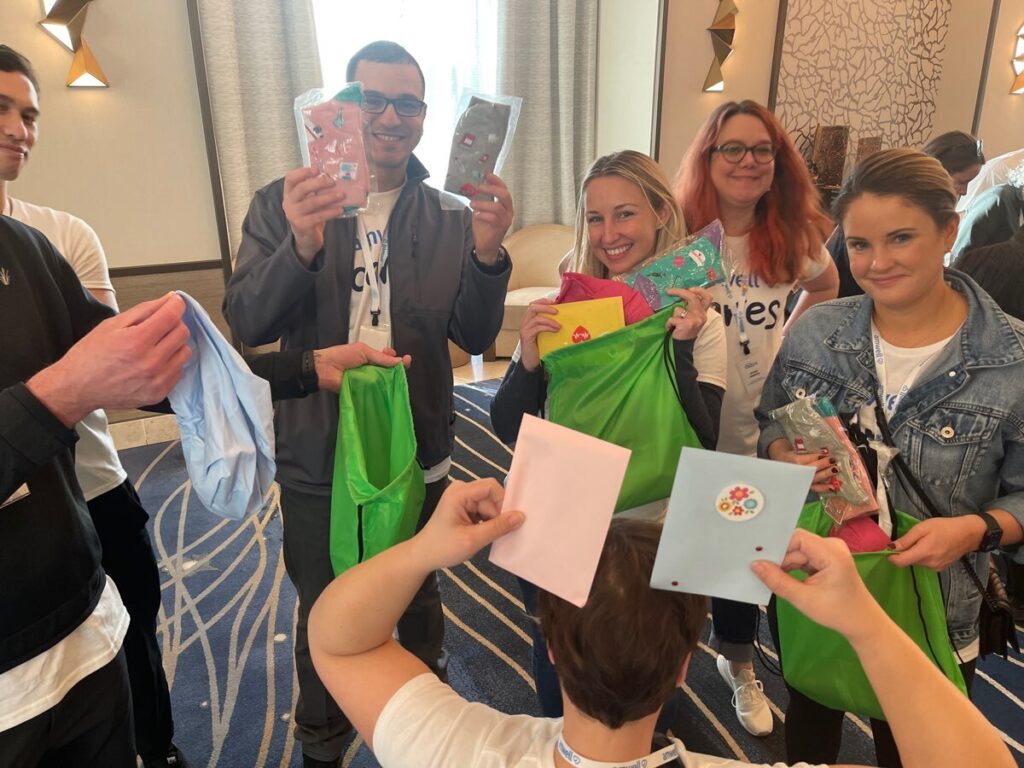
[725, 512]
[566, 483]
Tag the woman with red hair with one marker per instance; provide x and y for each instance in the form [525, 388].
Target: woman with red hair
[743, 169]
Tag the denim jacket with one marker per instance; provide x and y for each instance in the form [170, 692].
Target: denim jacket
[960, 429]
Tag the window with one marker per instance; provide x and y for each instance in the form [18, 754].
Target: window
[455, 43]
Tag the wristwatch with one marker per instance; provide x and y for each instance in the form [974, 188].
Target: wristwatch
[993, 533]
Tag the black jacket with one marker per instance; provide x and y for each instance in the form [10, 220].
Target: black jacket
[49, 554]
[438, 292]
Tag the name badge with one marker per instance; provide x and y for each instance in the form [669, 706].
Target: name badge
[752, 373]
[376, 336]
[19, 494]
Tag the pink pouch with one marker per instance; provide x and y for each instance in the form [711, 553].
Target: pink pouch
[861, 534]
[579, 287]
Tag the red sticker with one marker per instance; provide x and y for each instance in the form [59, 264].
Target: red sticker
[580, 334]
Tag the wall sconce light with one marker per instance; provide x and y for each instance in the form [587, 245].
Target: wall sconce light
[723, 30]
[64, 20]
[1018, 64]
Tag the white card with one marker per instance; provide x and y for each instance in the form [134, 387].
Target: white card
[567, 484]
[725, 512]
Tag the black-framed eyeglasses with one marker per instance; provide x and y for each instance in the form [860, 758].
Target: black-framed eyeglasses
[735, 151]
[405, 106]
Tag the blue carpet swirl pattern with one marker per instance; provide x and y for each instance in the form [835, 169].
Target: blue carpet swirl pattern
[229, 611]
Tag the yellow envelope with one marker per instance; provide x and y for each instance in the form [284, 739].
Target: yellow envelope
[583, 321]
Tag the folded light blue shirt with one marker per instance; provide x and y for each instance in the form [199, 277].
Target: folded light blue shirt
[226, 419]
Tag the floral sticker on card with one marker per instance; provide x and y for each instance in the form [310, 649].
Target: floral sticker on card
[739, 503]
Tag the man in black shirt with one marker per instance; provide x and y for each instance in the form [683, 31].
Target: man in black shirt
[63, 684]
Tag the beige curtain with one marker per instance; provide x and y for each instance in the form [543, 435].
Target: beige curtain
[547, 53]
[260, 55]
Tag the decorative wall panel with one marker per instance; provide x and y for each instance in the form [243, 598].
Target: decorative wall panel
[873, 65]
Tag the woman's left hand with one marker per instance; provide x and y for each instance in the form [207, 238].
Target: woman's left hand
[689, 316]
[938, 542]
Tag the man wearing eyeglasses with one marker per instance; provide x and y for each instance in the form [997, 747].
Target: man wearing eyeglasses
[414, 270]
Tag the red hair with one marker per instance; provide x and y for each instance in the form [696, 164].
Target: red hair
[789, 222]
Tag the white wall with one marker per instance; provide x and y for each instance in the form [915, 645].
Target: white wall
[129, 159]
[627, 66]
[1002, 116]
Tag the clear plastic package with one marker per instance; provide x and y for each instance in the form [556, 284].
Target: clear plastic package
[811, 424]
[483, 136]
[331, 140]
[695, 262]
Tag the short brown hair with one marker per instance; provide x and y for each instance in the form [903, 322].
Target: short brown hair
[956, 150]
[905, 173]
[619, 657]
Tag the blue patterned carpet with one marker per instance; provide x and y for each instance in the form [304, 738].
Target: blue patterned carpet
[228, 614]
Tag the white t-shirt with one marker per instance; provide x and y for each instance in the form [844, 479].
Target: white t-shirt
[40, 683]
[427, 725]
[371, 232]
[96, 463]
[762, 308]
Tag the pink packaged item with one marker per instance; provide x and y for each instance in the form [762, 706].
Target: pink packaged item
[861, 534]
[332, 132]
[579, 287]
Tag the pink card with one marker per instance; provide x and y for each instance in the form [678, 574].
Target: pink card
[567, 484]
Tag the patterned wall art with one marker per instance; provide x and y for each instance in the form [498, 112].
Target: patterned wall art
[872, 65]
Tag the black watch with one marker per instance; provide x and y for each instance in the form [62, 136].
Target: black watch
[993, 533]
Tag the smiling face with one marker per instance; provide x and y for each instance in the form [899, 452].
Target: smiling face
[740, 185]
[19, 110]
[391, 138]
[621, 225]
[896, 249]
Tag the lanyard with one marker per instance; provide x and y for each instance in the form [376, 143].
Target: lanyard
[738, 312]
[876, 348]
[372, 281]
[653, 760]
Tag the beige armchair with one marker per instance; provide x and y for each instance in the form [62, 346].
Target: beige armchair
[535, 252]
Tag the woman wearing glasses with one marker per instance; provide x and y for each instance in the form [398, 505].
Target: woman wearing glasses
[743, 169]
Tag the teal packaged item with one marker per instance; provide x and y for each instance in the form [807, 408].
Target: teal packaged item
[696, 263]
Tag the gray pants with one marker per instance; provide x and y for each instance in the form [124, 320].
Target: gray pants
[319, 724]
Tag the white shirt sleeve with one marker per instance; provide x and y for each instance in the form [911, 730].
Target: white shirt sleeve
[428, 725]
[86, 256]
[709, 351]
[816, 265]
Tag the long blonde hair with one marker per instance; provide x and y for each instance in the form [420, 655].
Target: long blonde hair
[641, 170]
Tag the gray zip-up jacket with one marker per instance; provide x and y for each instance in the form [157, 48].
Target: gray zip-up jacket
[438, 292]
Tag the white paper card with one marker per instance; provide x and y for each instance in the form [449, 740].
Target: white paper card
[567, 484]
[725, 512]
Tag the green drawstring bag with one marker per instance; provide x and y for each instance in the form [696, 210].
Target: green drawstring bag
[378, 490]
[621, 387]
[821, 664]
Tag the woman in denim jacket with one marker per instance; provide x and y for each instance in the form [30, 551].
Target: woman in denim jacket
[951, 366]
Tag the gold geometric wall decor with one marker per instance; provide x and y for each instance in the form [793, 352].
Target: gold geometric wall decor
[64, 20]
[1018, 64]
[723, 30]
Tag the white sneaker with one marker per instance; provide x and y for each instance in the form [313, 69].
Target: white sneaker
[748, 699]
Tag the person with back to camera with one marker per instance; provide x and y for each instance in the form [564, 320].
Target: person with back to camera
[620, 657]
[626, 214]
[743, 169]
[946, 365]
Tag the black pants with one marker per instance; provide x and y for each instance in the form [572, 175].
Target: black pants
[128, 559]
[319, 724]
[733, 626]
[91, 727]
[814, 732]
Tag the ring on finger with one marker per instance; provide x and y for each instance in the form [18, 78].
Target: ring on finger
[681, 313]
